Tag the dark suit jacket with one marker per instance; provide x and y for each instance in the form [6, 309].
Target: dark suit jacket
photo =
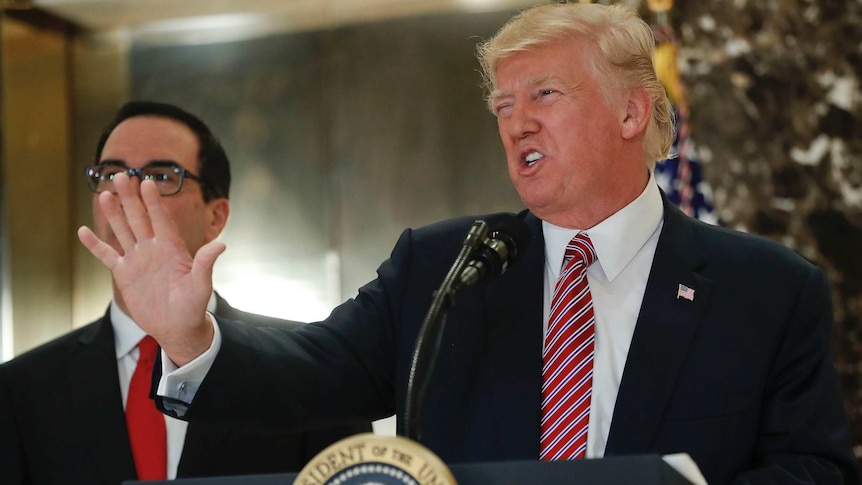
[62, 421]
[740, 377]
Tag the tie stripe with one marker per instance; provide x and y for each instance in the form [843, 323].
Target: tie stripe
[567, 373]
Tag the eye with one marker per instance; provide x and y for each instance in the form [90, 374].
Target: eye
[503, 110]
[108, 172]
[547, 92]
[162, 175]
[156, 177]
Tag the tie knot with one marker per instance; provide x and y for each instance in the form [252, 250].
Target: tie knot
[580, 249]
[147, 348]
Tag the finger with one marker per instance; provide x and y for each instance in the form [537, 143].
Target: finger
[98, 248]
[110, 205]
[133, 207]
[205, 258]
[163, 224]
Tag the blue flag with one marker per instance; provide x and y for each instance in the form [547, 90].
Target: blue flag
[681, 176]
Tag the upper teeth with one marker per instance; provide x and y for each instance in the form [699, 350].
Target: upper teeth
[532, 157]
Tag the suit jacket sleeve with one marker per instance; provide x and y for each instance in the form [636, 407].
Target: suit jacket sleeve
[803, 436]
[319, 374]
[350, 366]
[315, 440]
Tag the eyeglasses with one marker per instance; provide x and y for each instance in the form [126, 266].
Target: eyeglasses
[168, 176]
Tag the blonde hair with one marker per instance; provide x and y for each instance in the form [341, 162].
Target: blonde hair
[626, 45]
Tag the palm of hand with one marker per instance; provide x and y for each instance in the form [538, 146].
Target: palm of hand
[165, 290]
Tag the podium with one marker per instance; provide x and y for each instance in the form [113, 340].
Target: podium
[613, 470]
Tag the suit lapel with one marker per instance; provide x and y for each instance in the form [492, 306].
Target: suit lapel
[514, 304]
[97, 404]
[665, 329]
[224, 310]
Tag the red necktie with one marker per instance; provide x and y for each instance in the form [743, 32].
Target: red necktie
[567, 374]
[146, 424]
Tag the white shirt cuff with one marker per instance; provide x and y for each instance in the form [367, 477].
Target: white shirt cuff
[179, 385]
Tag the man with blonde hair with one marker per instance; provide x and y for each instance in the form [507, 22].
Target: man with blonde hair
[624, 328]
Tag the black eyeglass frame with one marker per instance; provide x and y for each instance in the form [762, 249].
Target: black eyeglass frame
[94, 176]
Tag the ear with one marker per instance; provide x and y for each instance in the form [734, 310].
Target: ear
[217, 212]
[638, 113]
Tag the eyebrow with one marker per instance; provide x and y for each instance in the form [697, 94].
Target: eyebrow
[531, 82]
[114, 162]
[496, 95]
[539, 80]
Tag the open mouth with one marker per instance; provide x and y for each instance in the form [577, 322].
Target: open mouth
[532, 158]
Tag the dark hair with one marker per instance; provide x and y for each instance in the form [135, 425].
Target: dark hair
[213, 165]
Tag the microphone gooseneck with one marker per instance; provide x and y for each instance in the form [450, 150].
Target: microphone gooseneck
[480, 258]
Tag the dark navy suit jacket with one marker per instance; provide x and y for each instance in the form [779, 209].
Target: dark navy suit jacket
[62, 420]
[739, 377]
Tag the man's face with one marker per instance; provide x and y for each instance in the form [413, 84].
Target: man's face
[561, 136]
[140, 140]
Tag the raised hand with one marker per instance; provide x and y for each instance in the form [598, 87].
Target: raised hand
[165, 289]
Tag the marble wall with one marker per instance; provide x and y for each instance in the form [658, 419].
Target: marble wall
[776, 111]
[340, 139]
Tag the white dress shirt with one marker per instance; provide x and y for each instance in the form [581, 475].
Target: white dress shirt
[127, 334]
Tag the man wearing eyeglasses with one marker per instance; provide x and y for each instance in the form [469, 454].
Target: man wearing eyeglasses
[66, 408]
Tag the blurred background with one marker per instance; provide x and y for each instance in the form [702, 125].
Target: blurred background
[347, 121]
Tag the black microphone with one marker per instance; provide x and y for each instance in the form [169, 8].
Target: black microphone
[507, 241]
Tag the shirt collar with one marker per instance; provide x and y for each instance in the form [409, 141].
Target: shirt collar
[616, 239]
[127, 333]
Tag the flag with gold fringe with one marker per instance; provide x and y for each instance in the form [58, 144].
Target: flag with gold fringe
[681, 175]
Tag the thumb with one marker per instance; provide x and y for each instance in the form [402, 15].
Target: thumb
[98, 248]
[205, 258]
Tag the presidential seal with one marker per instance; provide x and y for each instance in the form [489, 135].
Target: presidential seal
[369, 459]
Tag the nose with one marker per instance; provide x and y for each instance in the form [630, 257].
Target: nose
[523, 121]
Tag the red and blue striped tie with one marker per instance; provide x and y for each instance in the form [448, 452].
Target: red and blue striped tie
[567, 374]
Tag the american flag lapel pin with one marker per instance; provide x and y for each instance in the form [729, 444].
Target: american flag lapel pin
[685, 292]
